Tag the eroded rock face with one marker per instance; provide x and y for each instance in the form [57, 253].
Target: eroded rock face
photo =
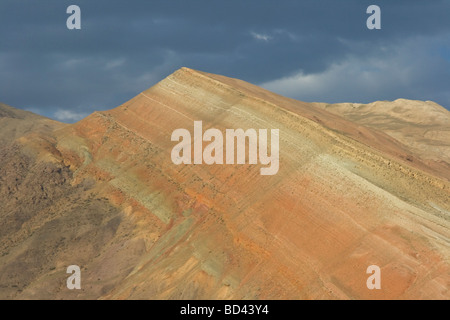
[345, 197]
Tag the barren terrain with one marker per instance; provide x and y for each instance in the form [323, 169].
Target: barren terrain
[357, 185]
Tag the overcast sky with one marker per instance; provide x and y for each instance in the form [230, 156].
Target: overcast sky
[314, 50]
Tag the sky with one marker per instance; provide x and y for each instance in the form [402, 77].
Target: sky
[312, 50]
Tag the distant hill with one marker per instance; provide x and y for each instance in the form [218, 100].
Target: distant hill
[15, 123]
[423, 126]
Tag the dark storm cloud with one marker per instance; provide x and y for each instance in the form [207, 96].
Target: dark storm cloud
[311, 50]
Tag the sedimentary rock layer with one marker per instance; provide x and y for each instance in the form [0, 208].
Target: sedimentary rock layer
[347, 195]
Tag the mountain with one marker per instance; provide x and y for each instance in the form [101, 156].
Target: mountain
[105, 194]
[423, 126]
[15, 123]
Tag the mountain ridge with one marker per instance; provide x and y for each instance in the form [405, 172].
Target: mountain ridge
[345, 197]
[422, 126]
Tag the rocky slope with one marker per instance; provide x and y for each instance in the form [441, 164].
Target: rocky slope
[104, 194]
[48, 223]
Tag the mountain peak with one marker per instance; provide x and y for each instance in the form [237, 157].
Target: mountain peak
[346, 196]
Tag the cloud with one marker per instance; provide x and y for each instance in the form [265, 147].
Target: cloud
[409, 69]
[68, 116]
[115, 63]
[260, 36]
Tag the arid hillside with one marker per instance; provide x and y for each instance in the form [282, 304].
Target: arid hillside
[356, 186]
[423, 126]
[15, 123]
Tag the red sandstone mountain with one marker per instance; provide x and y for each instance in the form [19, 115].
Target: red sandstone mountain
[351, 191]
